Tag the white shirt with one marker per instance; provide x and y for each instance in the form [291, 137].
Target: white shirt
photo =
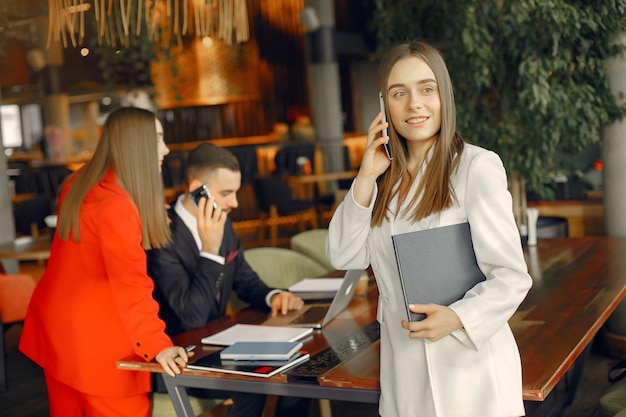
[192, 224]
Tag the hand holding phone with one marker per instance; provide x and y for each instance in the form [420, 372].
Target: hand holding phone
[201, 192]
[386, 146]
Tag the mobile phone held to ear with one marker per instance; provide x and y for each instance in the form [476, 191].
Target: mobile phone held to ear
[386, 146]
[200, 192]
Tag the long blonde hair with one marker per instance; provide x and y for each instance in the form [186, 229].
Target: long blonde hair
[128, 145]
[435, 188]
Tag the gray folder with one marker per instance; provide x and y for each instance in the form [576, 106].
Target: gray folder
[436, 265]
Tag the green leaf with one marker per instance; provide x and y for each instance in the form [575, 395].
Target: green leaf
[530, 76]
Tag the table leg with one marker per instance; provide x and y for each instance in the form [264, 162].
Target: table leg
[178, 395]
[574, 374]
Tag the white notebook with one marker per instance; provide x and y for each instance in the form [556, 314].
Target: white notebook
[317, 284]
[256, 333]
[316, 288]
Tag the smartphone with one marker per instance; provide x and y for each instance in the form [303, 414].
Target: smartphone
[200, 192]
[386, 146]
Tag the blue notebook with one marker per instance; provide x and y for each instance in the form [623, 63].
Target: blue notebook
[256, 351]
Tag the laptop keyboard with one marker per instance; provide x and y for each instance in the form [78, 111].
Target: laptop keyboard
[334, 355]
[314, 314]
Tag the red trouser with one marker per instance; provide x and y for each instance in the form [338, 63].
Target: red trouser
[65, 401]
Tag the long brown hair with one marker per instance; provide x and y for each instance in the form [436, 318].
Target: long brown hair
[435, 188]
[128, 145]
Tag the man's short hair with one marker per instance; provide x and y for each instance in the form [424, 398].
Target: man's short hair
[206, 158]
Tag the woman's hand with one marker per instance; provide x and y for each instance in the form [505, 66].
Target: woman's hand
[374, 162]
[173, 359]
[440, 321]
[285, 301]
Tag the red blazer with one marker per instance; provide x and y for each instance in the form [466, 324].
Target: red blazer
[94, 303]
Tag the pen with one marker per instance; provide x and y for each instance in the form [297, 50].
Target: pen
[188, 349]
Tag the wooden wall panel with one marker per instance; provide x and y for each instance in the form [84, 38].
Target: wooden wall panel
[280, 69]
[13, 66]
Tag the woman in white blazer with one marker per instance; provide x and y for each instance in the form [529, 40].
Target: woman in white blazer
[461, 360]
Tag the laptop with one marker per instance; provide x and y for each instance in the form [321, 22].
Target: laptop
[319, 314]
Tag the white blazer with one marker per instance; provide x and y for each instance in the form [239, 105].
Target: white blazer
[474, 372]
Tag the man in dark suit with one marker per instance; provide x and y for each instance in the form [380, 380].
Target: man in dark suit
[196, 273]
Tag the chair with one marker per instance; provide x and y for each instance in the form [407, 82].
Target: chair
[16, 291]
[280, 268]
[248, 163]
[30, 214]
[173, 174]
[173, 169]
[286, 159]
[51, 177]
[356, 148]
[613, 401]
[24, 176]
[266, 159]
[312, 243]
[277, 207]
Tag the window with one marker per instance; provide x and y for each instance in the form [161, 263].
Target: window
[11, 126]
[22, 125]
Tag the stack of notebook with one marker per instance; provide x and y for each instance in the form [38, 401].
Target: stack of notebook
[262, 359]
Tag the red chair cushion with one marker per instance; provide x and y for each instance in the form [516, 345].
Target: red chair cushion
[16, 291]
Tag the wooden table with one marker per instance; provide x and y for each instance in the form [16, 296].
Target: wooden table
[577, 285]
[18, 198]
[270, 138]
[27, 248]
[72, 162]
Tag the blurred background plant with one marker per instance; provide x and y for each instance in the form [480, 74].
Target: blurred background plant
[530, 76]
[129, 66]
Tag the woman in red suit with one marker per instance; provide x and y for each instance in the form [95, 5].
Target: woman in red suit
[94, 303]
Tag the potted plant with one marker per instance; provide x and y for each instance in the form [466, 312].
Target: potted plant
[530, 76]
[128, 65]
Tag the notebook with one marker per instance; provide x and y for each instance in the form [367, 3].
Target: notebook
[318, 315]
[436, 265]
[316, 288]
[255, 333]
[260, 351]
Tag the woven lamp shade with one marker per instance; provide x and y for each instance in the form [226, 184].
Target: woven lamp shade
[207, 73]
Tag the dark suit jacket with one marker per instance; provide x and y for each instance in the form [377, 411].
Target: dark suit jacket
[193, 290]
